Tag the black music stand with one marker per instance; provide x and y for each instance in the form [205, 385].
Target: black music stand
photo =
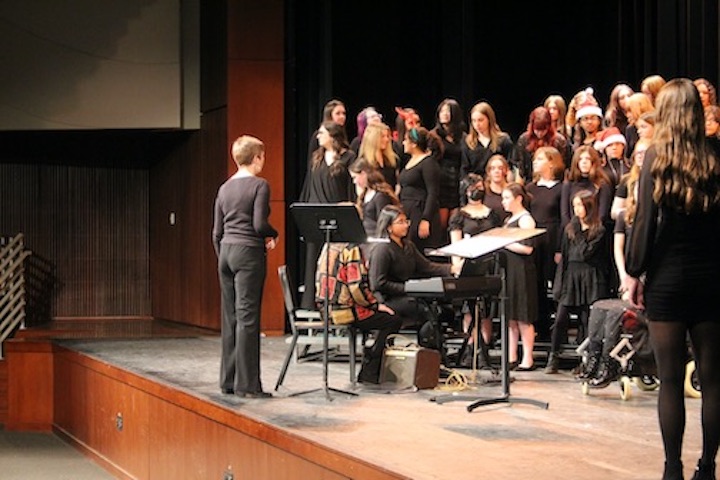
[327, 223]
[474, 247]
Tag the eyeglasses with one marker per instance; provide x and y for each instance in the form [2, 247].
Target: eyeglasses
[405, 221]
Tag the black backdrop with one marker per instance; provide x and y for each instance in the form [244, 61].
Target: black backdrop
[510, 53]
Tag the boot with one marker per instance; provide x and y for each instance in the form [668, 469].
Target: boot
[553, 364]
[370, 370]
[591, 367]
[607, 374]
[704, 471]
[673, 471]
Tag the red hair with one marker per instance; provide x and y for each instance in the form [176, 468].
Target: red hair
[540, 120]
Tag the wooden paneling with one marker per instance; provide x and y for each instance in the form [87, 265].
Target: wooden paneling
[91, 223]
[30, 385]
[256, 107]
[3, 392]
[169, 433]
[183, 263]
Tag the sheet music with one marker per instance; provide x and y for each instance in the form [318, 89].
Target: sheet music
[487, 242]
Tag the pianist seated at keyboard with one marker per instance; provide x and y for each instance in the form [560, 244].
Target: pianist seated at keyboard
[395, 262]
[351, 301]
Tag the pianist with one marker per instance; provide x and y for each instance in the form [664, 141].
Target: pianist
[395, 262]
[351, 301]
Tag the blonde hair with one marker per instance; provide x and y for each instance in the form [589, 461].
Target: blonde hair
[632, 179]
[685, 171]
[370, 146]
[653, 83]
[245, 149]
[638, 104]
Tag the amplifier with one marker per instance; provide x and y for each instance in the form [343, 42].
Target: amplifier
[406, 368]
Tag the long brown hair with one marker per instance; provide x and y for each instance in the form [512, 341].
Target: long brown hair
[592, 216]
[339, 145]
[375, 181]
[596, 175]
[685, 170]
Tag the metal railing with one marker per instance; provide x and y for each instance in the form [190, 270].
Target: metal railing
[26, 285]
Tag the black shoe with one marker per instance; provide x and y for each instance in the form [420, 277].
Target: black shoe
[608, 373]
[590, 369]
[254, 394]
[227, 391]
[531, 368]
[512, 366]
[704, 471]
[553, 364]
[673, 471]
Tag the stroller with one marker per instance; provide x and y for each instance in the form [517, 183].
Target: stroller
[618, 336]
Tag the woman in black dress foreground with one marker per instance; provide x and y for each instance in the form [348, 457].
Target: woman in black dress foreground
[675, 244]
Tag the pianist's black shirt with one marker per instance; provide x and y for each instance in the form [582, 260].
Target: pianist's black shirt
[391, 265]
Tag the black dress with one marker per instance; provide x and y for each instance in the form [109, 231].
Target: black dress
[603, 194]
[470, 225]
[494, 201]
[419, 186]
[323, 187]
[521, 283]
[474, 160]
[545, 209]
[678, 252]
[449, 196]
[371, 210]
[581, 278]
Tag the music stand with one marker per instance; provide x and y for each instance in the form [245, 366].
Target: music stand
[473, 247]
[328, 223]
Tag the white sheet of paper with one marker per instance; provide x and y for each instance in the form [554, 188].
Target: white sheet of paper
[488, 242]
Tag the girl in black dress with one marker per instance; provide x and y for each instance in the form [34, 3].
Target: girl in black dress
[419, 184]
[580, 279]
[675, 241]
[374, 193]
[450, 128]
[376, 148]
[521, 279]
[586, 173]
[327, 181]
[546, 191]
[496, 173]
[484, 140]
[540, 132]
[472, 218]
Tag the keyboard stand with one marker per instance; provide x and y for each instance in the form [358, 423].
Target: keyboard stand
[504, 371]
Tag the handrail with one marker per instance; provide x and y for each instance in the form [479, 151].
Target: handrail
[18, 294]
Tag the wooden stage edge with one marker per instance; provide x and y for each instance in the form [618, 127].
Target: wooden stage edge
[137, 428]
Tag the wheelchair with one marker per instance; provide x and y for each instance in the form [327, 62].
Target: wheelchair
[627, 348]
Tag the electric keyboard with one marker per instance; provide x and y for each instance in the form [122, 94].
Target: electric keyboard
[452, 288]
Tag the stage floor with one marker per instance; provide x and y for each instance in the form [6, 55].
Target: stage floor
[596, 436]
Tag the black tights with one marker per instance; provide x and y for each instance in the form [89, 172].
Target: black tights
[670, 347]
[562, 319]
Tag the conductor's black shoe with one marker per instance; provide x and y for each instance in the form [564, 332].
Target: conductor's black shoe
[254, 394]
[227, 391]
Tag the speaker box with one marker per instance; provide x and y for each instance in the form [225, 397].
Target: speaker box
[407, 368]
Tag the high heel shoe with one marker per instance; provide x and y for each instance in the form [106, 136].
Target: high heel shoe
[704, 471]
